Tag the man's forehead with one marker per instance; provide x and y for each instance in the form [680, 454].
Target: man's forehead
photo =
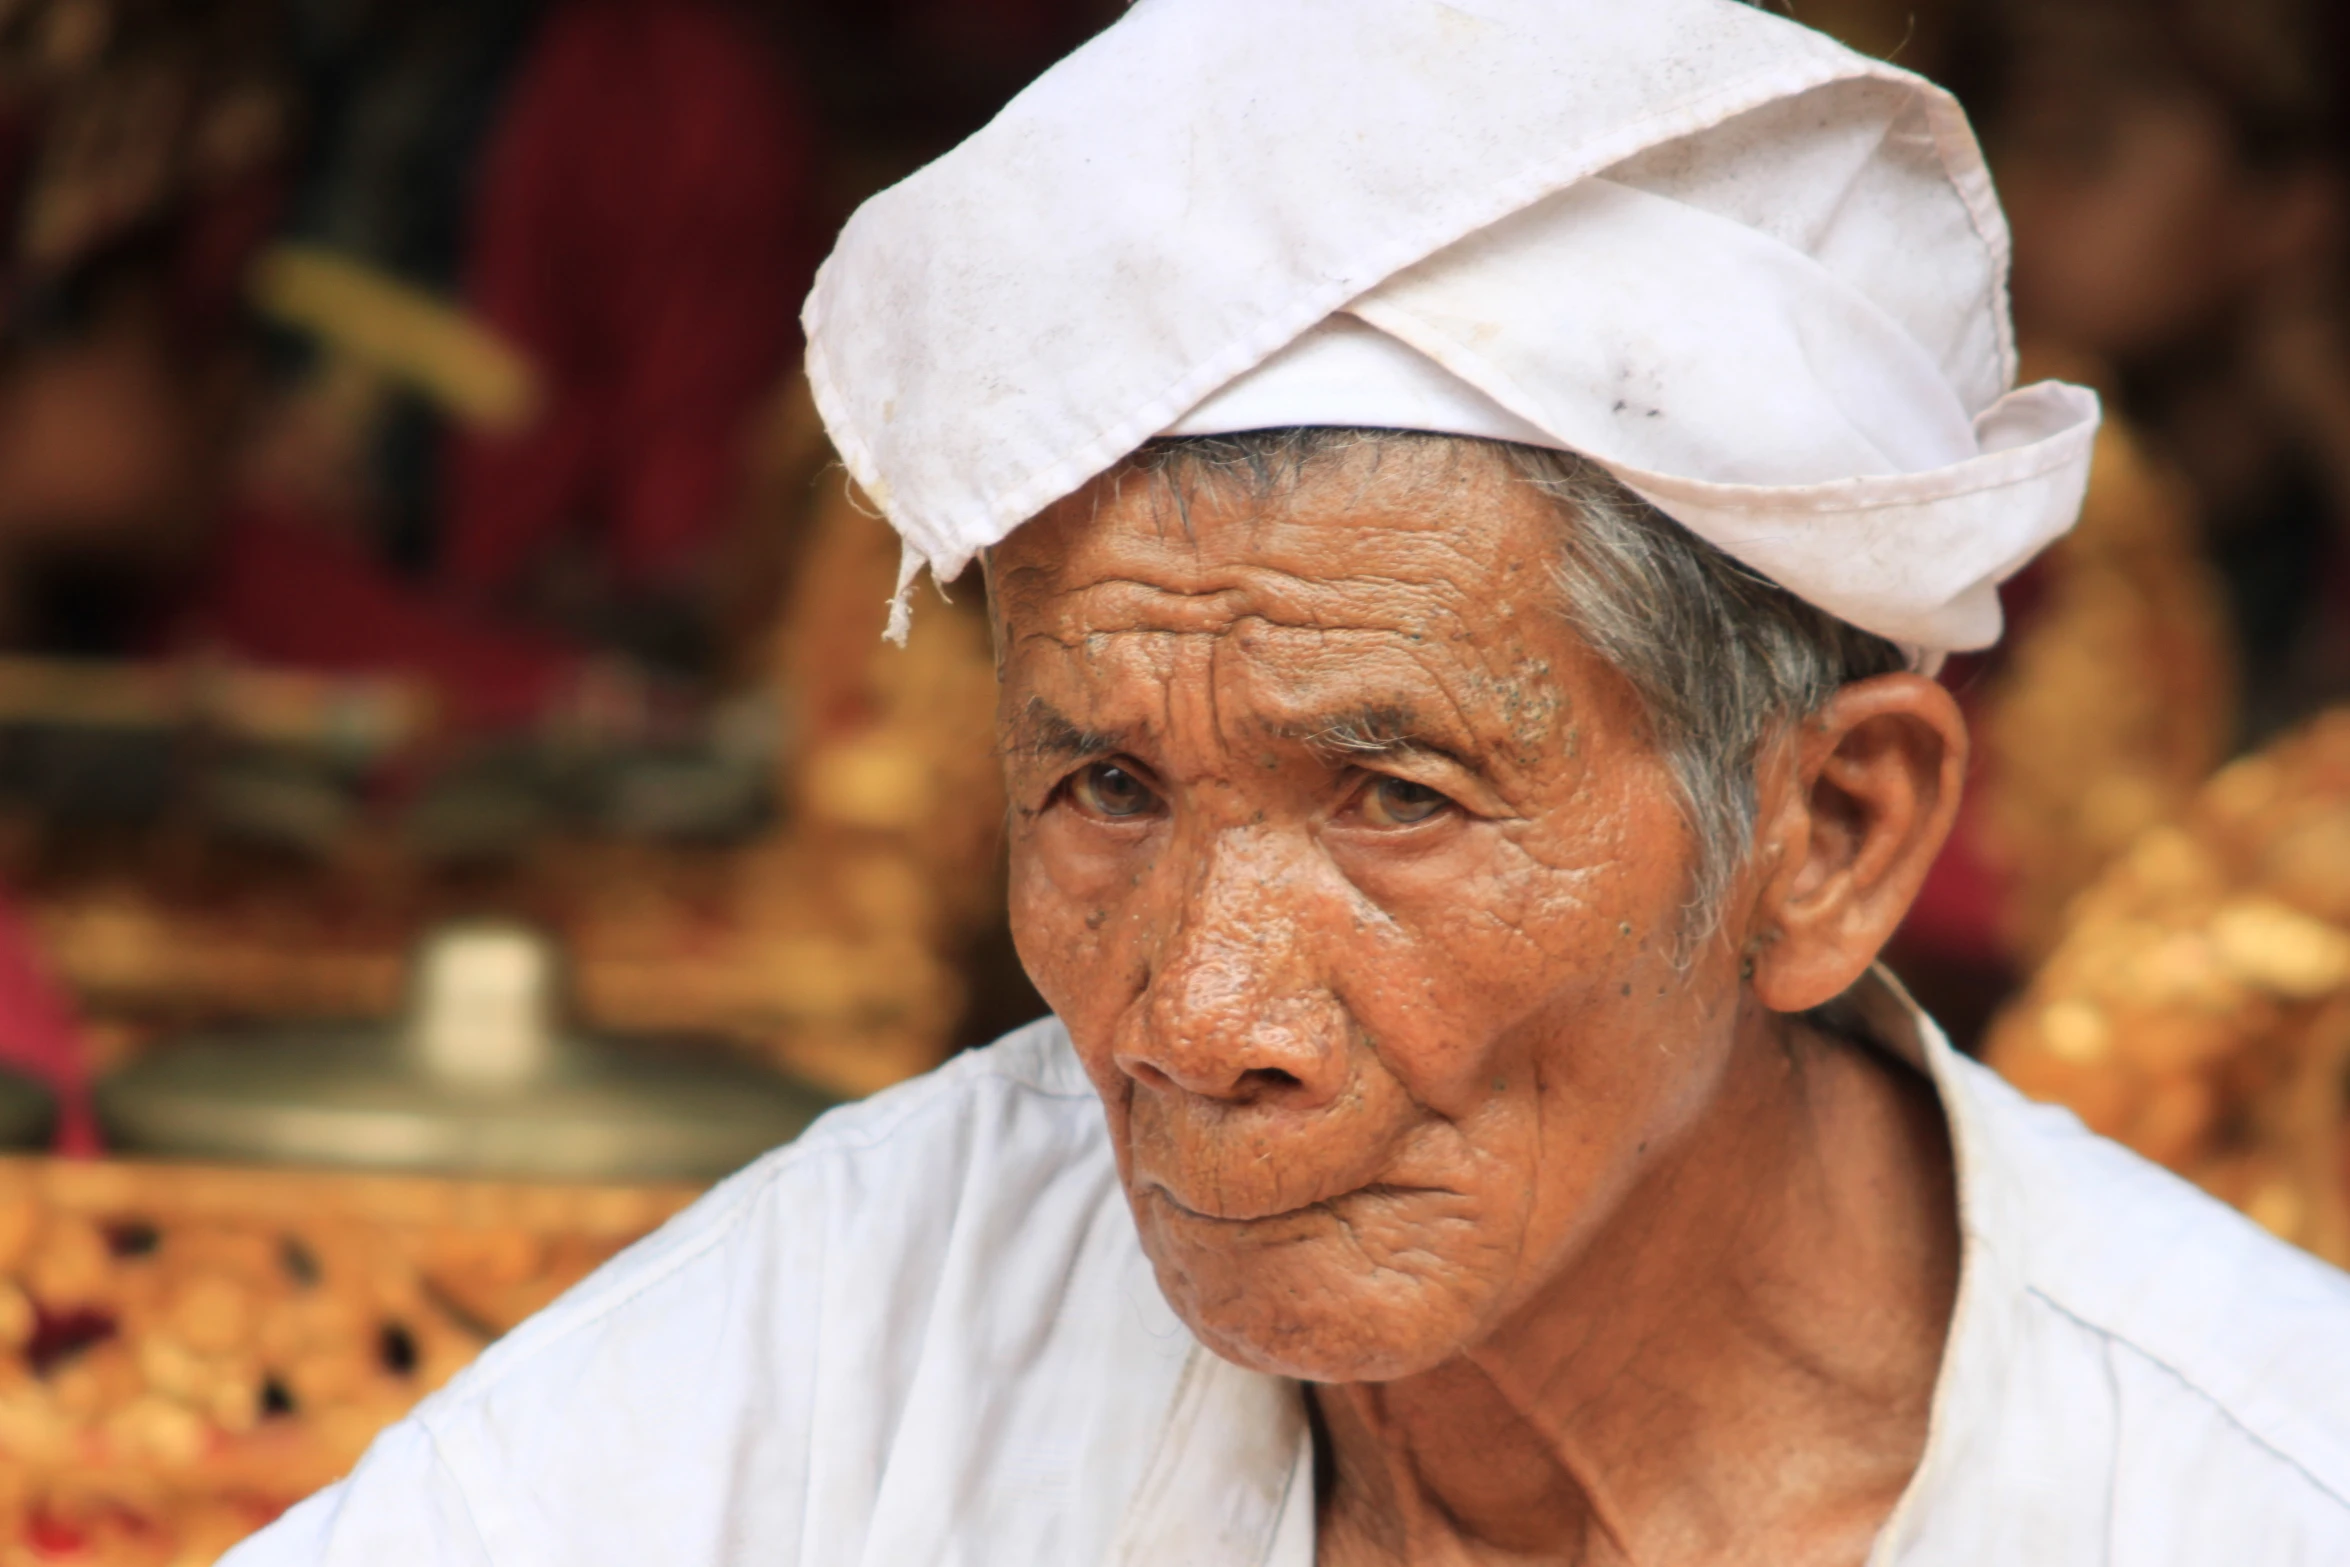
[1385, 682]
[1373, 541]
[1277, 665]
[1402, 587]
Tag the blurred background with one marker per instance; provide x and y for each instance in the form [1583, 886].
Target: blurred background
[445, 740]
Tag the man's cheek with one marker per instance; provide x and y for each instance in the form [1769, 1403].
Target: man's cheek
[1086, 961]
[1057, 928]
[1438, 1003]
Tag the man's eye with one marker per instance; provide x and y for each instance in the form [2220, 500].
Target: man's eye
[1398, 802]
[1106, 789]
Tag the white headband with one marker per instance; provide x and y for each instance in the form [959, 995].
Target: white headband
[1759, 278]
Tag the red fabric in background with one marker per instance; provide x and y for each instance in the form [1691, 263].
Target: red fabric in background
[1957, 913]
[285, 589]
[39, 1036]
[640, 233]
[641, 236]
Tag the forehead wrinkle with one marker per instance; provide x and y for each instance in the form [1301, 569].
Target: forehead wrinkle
[1218, 601]
[1429, 690]
[1295, 642]
[1069, 636]
[1391, 697]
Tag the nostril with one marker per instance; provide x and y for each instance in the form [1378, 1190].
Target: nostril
[1251, 1083]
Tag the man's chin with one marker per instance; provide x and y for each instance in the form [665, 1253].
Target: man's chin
[1307, 1309]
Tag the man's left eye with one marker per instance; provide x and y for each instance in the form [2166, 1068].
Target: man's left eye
[1399, 802]
[1108, 790]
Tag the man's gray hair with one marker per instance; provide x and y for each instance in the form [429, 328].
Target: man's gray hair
[1721, 659]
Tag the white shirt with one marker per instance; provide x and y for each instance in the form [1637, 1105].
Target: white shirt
[925, 1333]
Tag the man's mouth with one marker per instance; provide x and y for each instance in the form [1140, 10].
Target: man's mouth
[1239, 1214]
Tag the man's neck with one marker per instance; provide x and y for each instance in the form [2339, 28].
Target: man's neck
[1740, 1366]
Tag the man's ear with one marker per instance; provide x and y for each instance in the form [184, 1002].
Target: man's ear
[1854, 804]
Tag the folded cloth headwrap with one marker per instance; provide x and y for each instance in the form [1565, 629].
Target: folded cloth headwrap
[1757, 277]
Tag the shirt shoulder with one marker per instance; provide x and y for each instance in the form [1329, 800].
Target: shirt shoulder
[937, 1290]
[2194, 1298]
[1020, 1106]
[898, 1172]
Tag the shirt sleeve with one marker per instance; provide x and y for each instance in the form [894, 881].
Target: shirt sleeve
[402, 1507]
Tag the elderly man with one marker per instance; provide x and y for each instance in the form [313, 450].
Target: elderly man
[1469, 493]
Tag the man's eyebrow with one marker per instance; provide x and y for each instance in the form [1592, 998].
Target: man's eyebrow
[1042, 733]
[1372, 731]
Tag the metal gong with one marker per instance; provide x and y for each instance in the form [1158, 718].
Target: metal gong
[477, 1079]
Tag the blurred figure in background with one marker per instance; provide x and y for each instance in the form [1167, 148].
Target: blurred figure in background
[611, 198]
[528, 264]
[138, 149]
[2175, 174]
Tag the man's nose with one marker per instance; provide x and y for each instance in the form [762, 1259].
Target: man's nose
[1235, 1008]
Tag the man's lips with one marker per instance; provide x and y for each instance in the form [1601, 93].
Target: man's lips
[1231, 1214]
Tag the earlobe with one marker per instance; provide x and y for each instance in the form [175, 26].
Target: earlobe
[1857, 803]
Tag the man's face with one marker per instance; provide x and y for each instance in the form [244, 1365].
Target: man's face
[1358, 885]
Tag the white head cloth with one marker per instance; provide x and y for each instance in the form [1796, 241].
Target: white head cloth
[1759, 278]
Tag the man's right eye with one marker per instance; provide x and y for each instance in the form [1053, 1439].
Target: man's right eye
[1108, 790]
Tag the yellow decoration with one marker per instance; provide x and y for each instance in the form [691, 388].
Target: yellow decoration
[400, 332]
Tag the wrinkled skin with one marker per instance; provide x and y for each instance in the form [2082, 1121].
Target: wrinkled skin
[1360, 888]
